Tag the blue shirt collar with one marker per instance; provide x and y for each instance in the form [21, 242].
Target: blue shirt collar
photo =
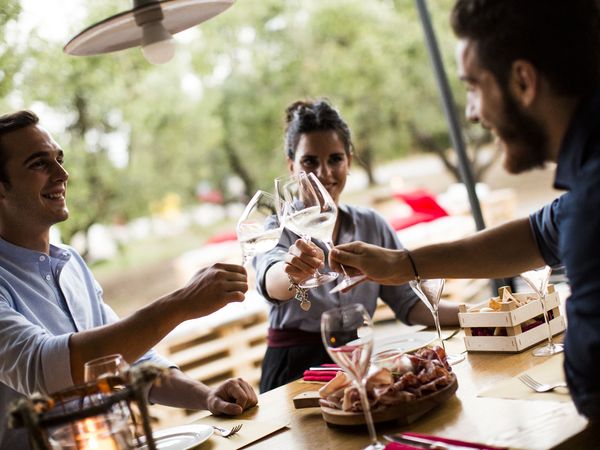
[573, 149]
[26, 255]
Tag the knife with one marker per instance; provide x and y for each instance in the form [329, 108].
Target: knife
[325, 368]
[424, 442]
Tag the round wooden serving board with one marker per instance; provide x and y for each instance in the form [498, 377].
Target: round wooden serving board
[404, 413]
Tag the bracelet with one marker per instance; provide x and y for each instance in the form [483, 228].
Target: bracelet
[414, 267]
[301, 294]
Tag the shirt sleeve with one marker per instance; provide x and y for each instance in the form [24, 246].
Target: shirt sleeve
[545, 224]
[402, 298]
[263, 262]
[31, 360]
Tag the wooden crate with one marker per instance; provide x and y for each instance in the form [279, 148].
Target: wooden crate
[509, 320]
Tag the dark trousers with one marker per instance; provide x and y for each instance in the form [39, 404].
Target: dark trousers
[284, 364]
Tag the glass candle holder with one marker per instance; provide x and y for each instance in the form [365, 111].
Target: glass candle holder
[105, 432]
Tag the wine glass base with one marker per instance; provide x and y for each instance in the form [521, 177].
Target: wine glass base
[347, 283]
[548, 350]
[318, 280]
[376, 446]
[453, 359]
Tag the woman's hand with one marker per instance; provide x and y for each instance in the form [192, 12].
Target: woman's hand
[302, 259]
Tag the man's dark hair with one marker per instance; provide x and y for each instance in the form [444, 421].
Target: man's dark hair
[560, 38]
[306, 116]
[9, 123]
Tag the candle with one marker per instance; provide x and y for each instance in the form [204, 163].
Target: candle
[95, 433]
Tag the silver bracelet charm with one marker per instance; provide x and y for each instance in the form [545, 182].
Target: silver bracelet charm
[301, 294]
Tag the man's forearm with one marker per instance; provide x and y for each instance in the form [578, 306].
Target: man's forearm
[179, 391]
[132, 336]
[497, 252]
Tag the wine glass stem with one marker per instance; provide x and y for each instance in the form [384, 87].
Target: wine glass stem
[329, 246]
[306, 238]
[436, 318]
[543, 301]
[360, 385]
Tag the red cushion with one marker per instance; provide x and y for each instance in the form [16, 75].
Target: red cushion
[222, 237]
[399, 223]
[422, 201]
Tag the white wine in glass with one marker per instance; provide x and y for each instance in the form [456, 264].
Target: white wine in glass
[430, 293]
[259, 228]
[538, 281]
[305, 215]
[347, 334]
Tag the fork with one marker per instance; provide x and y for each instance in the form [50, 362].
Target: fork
[226, 432]
[540, 387]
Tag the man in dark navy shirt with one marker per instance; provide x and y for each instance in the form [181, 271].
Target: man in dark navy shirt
[532, 72]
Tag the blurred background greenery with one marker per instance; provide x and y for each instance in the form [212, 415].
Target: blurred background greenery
[207, 127]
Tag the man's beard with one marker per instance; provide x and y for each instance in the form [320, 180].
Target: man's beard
[525, 141]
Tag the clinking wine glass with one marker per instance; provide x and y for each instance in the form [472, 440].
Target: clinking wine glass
[538, 281]
[328, 205]
[308, 215]
[259, 228]
[347, 334]
[430, 293]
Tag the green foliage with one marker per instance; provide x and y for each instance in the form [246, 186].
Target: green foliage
[216, 110]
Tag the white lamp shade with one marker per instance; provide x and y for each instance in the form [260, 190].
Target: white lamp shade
[121, 31]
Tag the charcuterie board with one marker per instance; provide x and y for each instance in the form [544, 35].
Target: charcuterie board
[403, 413]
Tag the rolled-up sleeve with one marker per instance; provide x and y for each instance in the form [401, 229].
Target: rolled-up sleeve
[544, 225]
[263, 262]
[31, 360]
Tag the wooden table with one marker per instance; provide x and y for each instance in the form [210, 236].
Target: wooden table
[518, 424]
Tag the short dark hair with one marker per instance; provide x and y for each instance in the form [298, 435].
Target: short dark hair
[307, 116]
[9, 123]
[561, 39]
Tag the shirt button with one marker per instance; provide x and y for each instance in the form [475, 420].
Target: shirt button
[48, 277]
[42, 258]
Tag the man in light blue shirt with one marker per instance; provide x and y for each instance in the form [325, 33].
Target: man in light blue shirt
[52, 316]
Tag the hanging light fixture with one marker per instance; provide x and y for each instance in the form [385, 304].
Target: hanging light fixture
[151, 24]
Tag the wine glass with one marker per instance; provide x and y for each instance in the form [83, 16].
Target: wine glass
[111, 365]
[347, 334]
[538, 281]
[430, 293]
[307, 215]
[259, 228]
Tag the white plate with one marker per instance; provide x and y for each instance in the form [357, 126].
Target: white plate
[405, 343]
[181, 438]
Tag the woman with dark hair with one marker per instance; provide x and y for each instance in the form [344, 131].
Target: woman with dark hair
[318, 140]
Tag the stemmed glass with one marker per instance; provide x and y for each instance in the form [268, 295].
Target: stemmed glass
[538, 281]
[111, 365]
[308, 215]
[347, 334]
[259, 228]
[430, 293]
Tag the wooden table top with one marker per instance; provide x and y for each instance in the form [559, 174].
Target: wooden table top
[518, 424]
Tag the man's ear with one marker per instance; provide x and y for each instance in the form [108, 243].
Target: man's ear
[524, 82]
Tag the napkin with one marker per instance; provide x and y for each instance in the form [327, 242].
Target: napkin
[402, 446]
[251, 431]
[549, 371]
[321, 375]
